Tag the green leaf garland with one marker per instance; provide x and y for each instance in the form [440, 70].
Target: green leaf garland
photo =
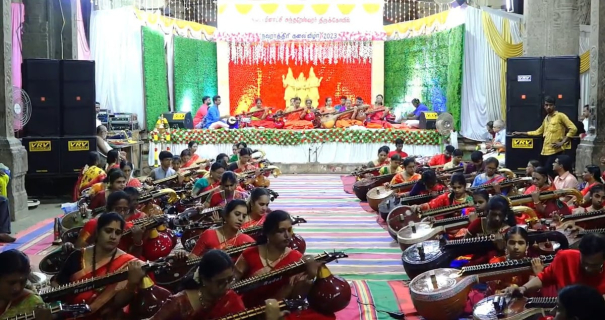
[155, 76]
[428, 68]
[195, 72]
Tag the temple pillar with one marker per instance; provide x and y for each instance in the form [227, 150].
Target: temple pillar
[592, 147]
[12, 153]
[552, 28]
[50, 30]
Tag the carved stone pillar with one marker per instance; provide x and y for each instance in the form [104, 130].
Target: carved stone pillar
[552, 28]
[591, 149]
[50, 30]
[12, 153]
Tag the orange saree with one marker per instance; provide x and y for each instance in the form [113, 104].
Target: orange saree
[211, 239]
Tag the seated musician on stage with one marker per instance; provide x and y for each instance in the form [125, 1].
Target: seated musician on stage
[206, 293]
[192, 147]
[209, 181]
[443, 158]
[499, 141]
[91, 174]
[201, 112]
[499, 218]
[118, 202]
[457, 196]
[295, 119]
[212, 120]
[376, 115]
[547, 208]
[271, 254]
[491, 175]
[227, 235]
[227, 192]
[258, 114]
[383, 159]
[579, 302]
[328, 107]
[100, 259]
[408, 174]
[583, 266]
[456, 160]
[342, 106]
[131, 181]
[399, 149]
[591, 177]
[116, 181]
[428, 183]
[258, 207]
[393, 167]
[15, 299]
[477, 164]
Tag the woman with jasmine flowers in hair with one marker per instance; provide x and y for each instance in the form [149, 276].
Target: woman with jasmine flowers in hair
[206, 293]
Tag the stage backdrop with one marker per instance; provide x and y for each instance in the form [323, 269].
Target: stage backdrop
[428, 68]
[155, 76]
[279, 80]
[194, 73]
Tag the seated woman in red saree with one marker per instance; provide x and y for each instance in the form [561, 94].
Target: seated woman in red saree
[245, 164]
[91, 174]
[113, 160]
[98, 260]
[274, 254]
[258, 115]
[227, 192]
[210, 181]
[457, 196]
[548, 208]
[258, 207]
[228, 235]
[131, 181]
[16, 299]
[206, 293]
[407, 175]
[592, 176]
[295, 119]
[115, 180]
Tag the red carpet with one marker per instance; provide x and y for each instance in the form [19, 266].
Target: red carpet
[347, 183]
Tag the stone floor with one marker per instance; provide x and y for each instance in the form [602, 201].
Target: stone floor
[48, 209]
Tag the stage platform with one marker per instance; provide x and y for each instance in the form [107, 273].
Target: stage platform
[324, 146]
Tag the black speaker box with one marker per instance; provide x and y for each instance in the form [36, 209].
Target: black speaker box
[41, 82]
[427, 120]
[78, 97]
[43, 155]
[179, 120]
[520, 150]
[74, 152]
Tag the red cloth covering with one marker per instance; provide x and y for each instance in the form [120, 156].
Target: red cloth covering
[209, 240]
[566, 270]
[439, 160]
[178, 307]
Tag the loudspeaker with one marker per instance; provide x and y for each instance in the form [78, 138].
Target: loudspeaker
[179, 120]
[41, 81]
[78, 98]
[74, 152]
[427, 120]
[520, 150]
[43, 155]
[561, 80]
[524, 94]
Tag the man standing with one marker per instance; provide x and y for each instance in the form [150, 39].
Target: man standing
[98, 109]
[201, 112]
[556, 129]
[212, 120]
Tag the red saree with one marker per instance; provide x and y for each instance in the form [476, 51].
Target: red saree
[294, 121]
[253, 223]
[178, 307]
[551, 207]
[255, 266]
[100, 298]
[90, 228]
[98, 200]
[218, 199]
[257, 119]
[194, 159]
[210, 240]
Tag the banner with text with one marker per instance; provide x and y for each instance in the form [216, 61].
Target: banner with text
[299, 20]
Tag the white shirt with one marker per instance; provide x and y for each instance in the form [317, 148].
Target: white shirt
[500, 137]
[98, 122]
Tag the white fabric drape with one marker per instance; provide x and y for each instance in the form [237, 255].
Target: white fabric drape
[333, 152]
[169, 45]
[116, 47]
[481, 75]
[584, 77]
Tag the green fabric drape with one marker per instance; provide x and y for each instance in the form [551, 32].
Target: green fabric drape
[428, 68]
[155, 76]
[195, 73]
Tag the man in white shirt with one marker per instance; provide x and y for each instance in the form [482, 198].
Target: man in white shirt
[499, 141]
[98, 109]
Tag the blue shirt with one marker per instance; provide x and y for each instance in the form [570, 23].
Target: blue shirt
[212, 116]
[421, 108]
